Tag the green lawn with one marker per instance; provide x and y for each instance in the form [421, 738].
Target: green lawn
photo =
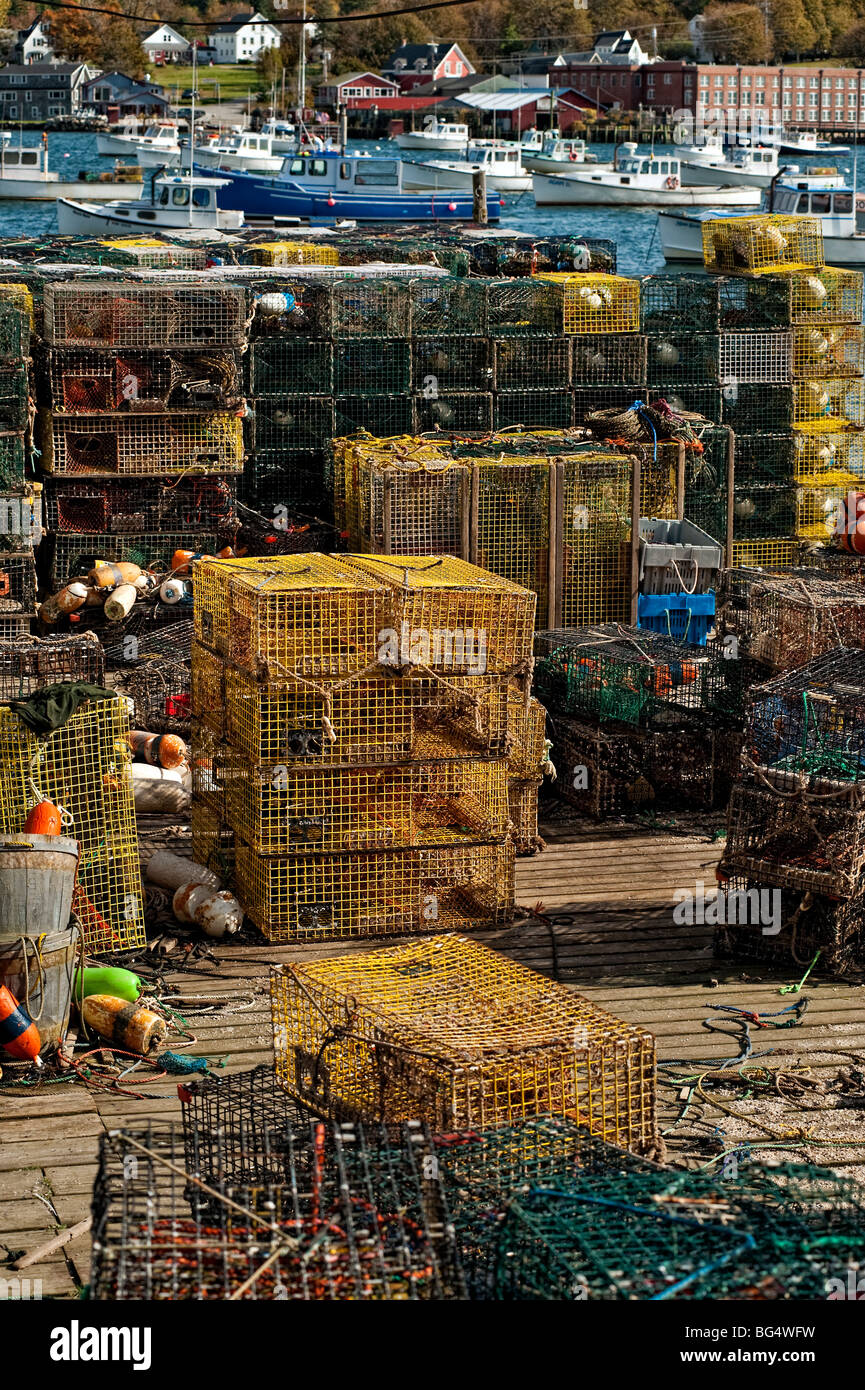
[222, 82]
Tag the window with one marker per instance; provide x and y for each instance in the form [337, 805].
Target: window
[851, 83]
[17, 79]
[317, 168]
[58, 96]
[800, 82]
[383, 172]
[180, 197]
[201, 197]
[297, 166]
[13, 111]
[788, 82]
[839, 81]
[55, 111]
[800, 100]
[746, 80]
[814, 82]
[668, 78]
[761, 81]
[843, 202]
[760, 98]
[704, 81]
[665, 166]
[820, 202]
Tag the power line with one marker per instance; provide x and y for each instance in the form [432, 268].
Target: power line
[211, 24]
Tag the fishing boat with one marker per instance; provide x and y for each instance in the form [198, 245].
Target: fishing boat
[283, 135]
[556, 154]
[178, 202]
[754, 167]
[161, 136]
[804, 142]
[328, 185]
[435, 135]
[635, 180]
[821, 194]
[24, 174]
[245, 150]
[501, 161]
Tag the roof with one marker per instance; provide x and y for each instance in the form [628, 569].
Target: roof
[397, 103]
[40, 69]
[503, 101]
[237, 21]
[613, 38]
[409, 53]
[341, 80]
[161, 29]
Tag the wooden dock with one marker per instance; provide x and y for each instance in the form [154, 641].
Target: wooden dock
[606, 894]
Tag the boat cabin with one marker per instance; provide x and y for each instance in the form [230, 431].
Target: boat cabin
[555, 148]
[20, 158]
[333, 170]
[663, 167]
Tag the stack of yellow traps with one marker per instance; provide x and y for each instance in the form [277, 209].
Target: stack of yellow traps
[357, 721]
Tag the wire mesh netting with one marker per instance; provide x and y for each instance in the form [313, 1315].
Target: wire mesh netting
[12, 461]
[679, 304]
[316, 897]
[74, 554]
[760, 244]
[286, 423]
[460, 303]
[354, 1215]
[371, 309]
[30, 662]
[14, 398]
[159, 689]
[290, 253]
[83, 768]
[87, 380]
[523, 803]
[292, 308]
[14, 328]
[447, 363]
[784, 620]
[111, 508]
[371, 367]
[447, 411]
[783, 836]
[448, 1031]
[282, 364]
[829, 350]
[608, 358]
[123, 314]
[804, 929]
[765, 357]
[17, 582]
[591, 303]
[824, 295]
[754, 408]
[134, 445]
[690, 358]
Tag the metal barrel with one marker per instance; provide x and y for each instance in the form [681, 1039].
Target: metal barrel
[39, 970]
[37, 876]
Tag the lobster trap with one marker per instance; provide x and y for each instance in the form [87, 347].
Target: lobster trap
[448, 615]
[754, 408]
[791, 839]
[355, 1215]
[13, 464]
[679, 304]
[764, 460]
[87, 380]
[371, 308]
[761, 244]
[606, 772]
[27, 663]
[235, 1127]
[372, 719]
[283, 364]
[525, 308]
[285, 424]
[312, 897]
[83, 768]
[17, 582]
[14, 398]
[530, 363]
[447, 363]
[15, 319]
[290, 253]
[596, 524]
[805, 729]
[523, 803]
[310, 614]
[207, 687]
[459, 303]
[291, 308]
[830, 350]
[136, 445]
[450, 1032]
[97, 314]
[591, 303]
[74, 554]
[785, 620]
[289, 809]
[606, 359]
[143, 252]
[445, 412]
[212, 841]
[549, 410]
[812, 931]
[837, 458]
[829, 405]
[112, 508]
[371, 367]
[818, 295]
[765, 357]
[630, 676]
[677, 358]
[159, 689]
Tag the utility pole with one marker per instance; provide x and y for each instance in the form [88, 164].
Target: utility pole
[301, 74]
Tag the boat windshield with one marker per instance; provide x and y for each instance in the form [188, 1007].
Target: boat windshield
[381, 172]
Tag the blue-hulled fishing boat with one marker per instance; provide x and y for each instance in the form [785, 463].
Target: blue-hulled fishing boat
[324, 185]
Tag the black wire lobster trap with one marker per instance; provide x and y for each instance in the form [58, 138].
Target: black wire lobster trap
[628, 675]
[461, 304]
[607, 359]
[151, 632]
[27, 663]
[283, 306]
[280, 365]
[447, 411]
[122, 314]
[13, 461]
[14, 329]
[784, 926]
[232, 1126]
[291, 422]
[812, 841]
[679, 304]
[371, 308]
[385, 416]
[93, 380]
[525, 308]
[287, 487]
[681, 358]
[113, 508]
[159, 687]
[371, 367]
[608, 771]
[521, 364]
[74, 553]
[786, 618]
[17, 582]
[14, 397]
[357, 1214]
[450, 363]
[545, 410]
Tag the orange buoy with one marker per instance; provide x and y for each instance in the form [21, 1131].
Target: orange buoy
[160, 750]
[18, 1032]
[44, 819]
[109, 575]
[129, 1025]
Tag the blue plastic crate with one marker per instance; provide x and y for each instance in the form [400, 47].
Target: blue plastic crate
[684, 617]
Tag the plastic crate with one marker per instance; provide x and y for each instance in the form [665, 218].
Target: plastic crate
[683, 617]
[676, 556]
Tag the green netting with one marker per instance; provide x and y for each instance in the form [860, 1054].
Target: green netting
[679, 304]
[12, 461]
[13, 398]
[281, 365]
[14, 330]
[75, 554]
[371, 367]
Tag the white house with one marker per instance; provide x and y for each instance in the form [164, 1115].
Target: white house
[165, 45]
[243, 38]
[34, 44]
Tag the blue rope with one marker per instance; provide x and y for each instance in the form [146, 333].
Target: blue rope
[638, 408]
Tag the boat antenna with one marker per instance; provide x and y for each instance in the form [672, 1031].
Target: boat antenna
[192, 118]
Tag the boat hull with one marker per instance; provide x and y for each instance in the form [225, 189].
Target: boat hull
[542, 164]
[129, 145]
[699, 175]
[584, 191]
[416, 140]
[46, 191]
[420, 177]
[682, 243]
[253, 164]
[87, 219]
[258, 196]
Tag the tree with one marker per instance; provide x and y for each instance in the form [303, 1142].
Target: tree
[853, 43]
[793, 30]
[738, 34]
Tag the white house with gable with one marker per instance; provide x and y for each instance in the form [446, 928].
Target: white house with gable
[165, 45]
[243, 38]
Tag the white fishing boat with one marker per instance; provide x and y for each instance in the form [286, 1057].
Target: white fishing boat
[283, 135]
[710, 147]
[435, 135]
[247, 150]
[500, 160]
[185, 202]
[824, 195]
[24, 174]
[744, 168]
[556, 154]
[162, 136]
[804, 142]
[635, 181]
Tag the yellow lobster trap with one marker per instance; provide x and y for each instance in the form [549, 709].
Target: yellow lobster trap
[826, 295]
[451, 1033]
[762, 244]
[840, 456]
[212, 840]
[277, 809]
[83, 767]
[597, 303]
[383, 718]
[529, 728]
[308, 615]
[290, 253]
[128, 446]
[207, 687]
[523, 802]
[826, 405]
[306, 897]
[828, 350]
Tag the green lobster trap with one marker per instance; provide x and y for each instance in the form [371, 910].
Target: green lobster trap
[450, 363]
[282, 365]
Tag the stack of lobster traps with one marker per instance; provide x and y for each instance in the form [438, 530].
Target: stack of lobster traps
[357, 722]
[778, 619]
[20, 500]
[141, 420]
[796, 821]
[639, 721]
